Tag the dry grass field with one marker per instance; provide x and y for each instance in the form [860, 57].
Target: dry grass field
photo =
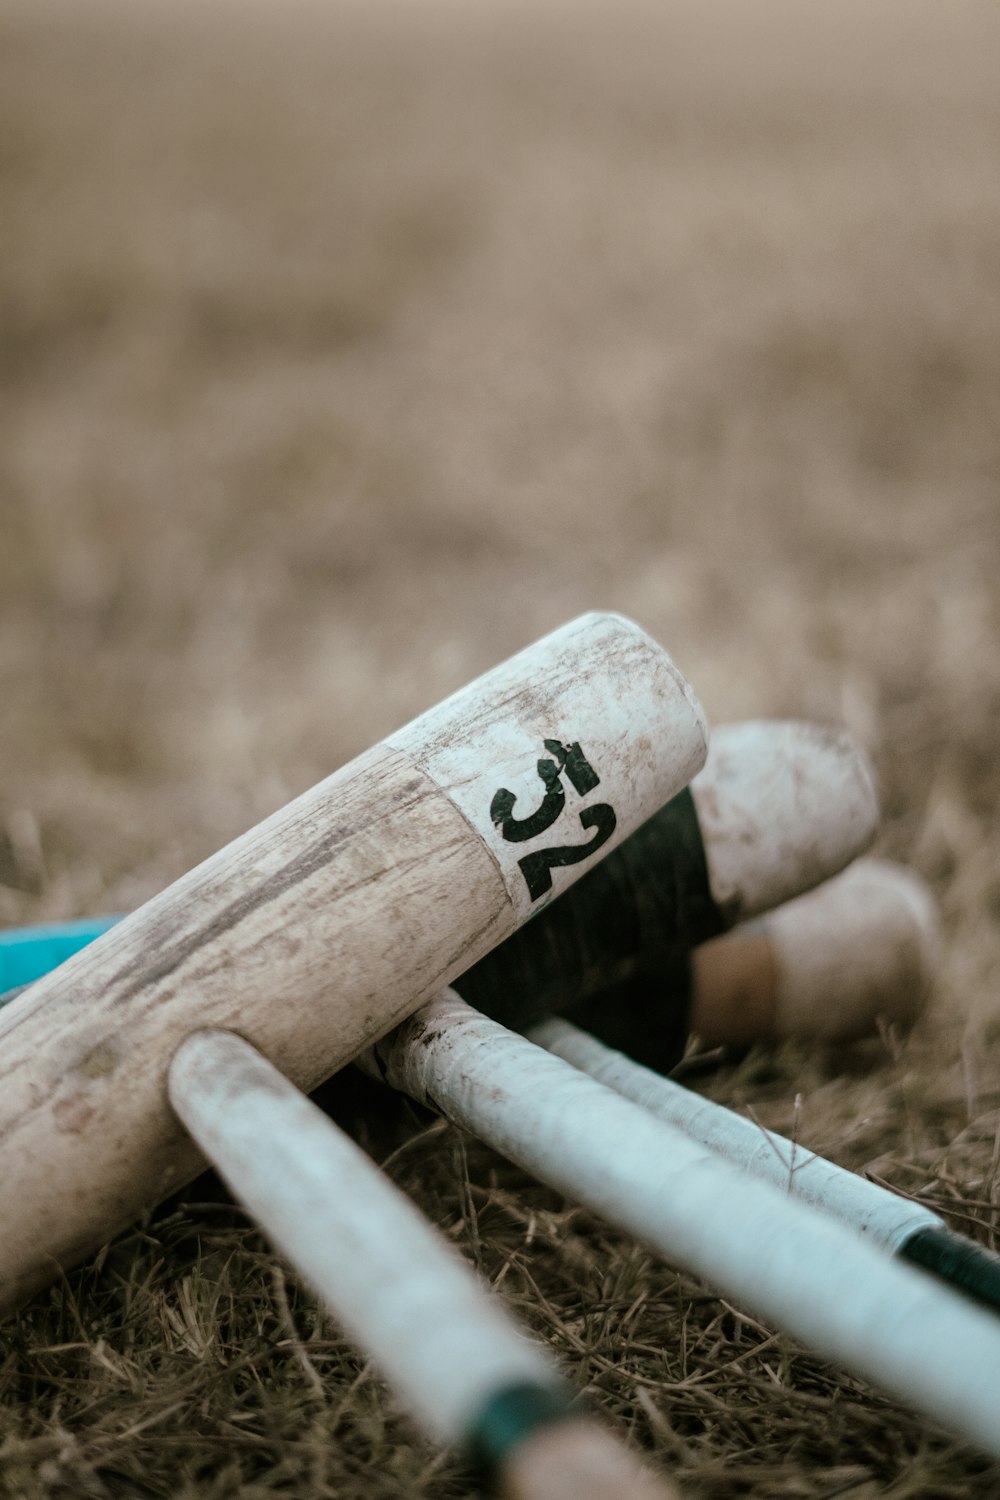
[346, 349]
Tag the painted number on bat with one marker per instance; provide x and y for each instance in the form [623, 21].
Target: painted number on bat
[537, 867]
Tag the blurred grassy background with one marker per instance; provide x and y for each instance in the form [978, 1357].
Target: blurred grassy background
[346, 349]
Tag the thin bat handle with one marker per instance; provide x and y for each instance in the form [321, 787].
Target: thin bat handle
[894, 1224]
[792, 1265]
[442, 1340]
[884, 1218]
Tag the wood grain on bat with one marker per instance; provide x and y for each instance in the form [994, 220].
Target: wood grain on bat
[320, 929]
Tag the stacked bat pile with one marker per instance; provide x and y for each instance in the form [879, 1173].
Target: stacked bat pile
[190, 1029]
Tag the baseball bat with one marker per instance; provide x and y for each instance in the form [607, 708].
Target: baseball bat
[783, 1259]
[401, 1291]
[391, 876]
[777, 808]
[860, 948]
[896, 1225]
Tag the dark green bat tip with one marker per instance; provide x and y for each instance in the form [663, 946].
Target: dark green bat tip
[968, 1267]
[510, 1417]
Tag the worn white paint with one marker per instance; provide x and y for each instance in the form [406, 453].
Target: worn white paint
[781, 806]
[609, 687]
[312, 934]
[443, 1342]
[400, 1290]
[882, 1217]
[790, 1264]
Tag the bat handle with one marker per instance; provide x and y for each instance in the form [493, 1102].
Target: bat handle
[441, 1339]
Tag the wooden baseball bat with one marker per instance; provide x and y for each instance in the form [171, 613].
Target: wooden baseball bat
[321, 928]
[777, 808]
[783, 1259]
[447, 1347]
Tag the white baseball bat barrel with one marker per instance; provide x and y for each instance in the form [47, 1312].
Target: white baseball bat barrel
[442, 1341]
[393, 875]
[793, 1266]
[616, 953]
[778, 808]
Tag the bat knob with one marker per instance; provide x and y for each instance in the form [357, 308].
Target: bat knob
[578, 1460]
[860, 952]
[833, 965]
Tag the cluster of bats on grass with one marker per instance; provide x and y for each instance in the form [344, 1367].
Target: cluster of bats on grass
[195, 1027]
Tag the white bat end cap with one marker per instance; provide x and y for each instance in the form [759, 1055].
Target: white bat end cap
[862, 949]
[782, 806]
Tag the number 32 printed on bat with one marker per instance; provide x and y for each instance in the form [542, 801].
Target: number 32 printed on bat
[537, 867]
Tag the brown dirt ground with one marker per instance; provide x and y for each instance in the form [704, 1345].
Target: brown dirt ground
[345, 350]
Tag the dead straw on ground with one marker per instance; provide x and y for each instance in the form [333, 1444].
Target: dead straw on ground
[345, 350]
